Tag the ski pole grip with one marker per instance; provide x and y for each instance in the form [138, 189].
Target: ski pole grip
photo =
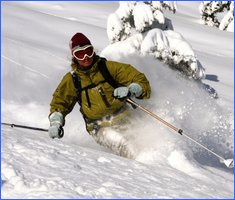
[132, 103]
[61, 132]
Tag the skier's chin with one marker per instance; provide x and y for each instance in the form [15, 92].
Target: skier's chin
[86, 64]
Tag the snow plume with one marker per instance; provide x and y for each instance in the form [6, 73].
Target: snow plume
[187, 106]
[145, 18]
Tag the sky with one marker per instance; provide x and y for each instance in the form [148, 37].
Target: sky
[35, 56]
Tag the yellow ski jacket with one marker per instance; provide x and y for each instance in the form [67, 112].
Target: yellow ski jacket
[101, 97]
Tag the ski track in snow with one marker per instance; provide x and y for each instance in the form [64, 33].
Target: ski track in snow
[34, 48]
[26, 67]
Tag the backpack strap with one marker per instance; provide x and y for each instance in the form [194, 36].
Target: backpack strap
[78, 86]
[106, 74]
[107, 78]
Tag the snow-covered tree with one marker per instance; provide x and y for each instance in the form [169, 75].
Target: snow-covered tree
[211, 9]
[227, 23]
[119, 23]
[141, 26]
[138, 17]
[170, 5]
[143, 17]
[173, 49]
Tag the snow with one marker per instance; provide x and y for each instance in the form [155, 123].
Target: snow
[35, 56]
[146, 18]
[142, 16]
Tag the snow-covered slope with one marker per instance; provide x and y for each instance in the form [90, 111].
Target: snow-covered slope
[36, 168]
[35, 56]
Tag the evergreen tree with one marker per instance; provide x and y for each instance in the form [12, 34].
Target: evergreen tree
[144, 26]
[211, 9]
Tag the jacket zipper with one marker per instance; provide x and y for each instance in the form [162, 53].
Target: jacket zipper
[104, 98]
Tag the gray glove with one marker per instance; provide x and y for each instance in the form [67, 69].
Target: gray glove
[134, 89]
[56, 125]
[121, 92]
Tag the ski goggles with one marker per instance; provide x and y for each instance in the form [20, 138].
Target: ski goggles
[80, 53]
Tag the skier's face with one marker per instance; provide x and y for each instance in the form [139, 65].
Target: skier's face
[86, 62]
[84, 55]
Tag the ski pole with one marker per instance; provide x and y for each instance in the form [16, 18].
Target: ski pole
[26, 127]
[227, 162]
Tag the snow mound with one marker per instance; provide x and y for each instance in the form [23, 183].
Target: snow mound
[168, 46]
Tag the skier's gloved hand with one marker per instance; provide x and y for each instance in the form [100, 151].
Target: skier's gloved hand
[121, 92]
[56, 123]
[135, 89]
[56, 131]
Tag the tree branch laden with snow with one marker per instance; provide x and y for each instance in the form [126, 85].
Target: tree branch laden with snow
[227, 23]
[133, 18]
[139, 16]
[210, 9]
[173, 49]
[143, 17]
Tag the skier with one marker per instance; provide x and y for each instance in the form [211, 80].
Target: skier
[100, 87]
